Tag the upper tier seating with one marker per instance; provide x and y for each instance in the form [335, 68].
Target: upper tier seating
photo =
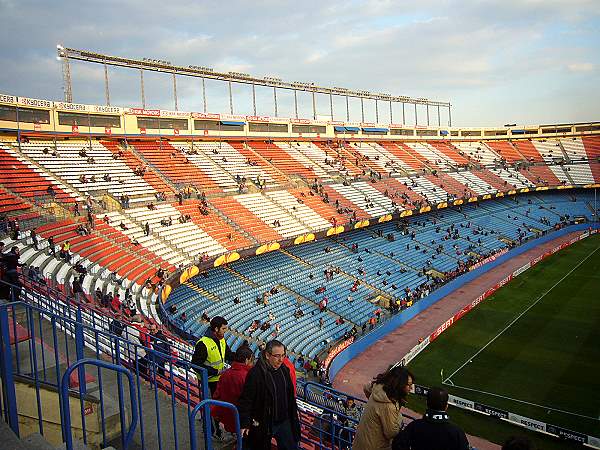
[432, 157]
[343, 161]
[245, 219]
[366, 198]
[216, 226]
[592, 146]
[478, 152]
[574, 173]
[70, 166]
[222, 163]
[405, 154]
[506, 150]
[272, 214]
[426, 188]
[400, 193]
[288, 160]
[320, 160]
[135, 163]
[513, 178]
[450, 151]
[10, 204]
[379, 158]
[300, 211]
[449, 184]
[574, 149]
[136, 231]
[187, 237]
[29, 181]
[540, 175]
[473, 182]
[256, 160]
[528, 150]
[551, 151]
[174, 165]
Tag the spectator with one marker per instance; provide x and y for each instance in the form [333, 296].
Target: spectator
[434, 430]
[116, 304]
[351, 410]
[267, 405]
[114, 277]
[64, 251]
[162, 348]
[34, 238]
[78, 289]
[231, 384]
[51, 248]
[381, 419]
[211, 352]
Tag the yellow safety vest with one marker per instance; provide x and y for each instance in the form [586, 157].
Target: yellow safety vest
[215, 358]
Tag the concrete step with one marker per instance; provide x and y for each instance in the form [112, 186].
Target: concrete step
[37, 442]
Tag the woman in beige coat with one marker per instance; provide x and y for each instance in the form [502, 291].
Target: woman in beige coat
[381, 419]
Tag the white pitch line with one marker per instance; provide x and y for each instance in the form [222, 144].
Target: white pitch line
[520, 315]
[523, 401]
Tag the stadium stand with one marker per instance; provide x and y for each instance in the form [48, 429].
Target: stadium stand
[389, 222]
[447, 149]
[29, 181]
[84, 166]
[175, 166]
[405, 154]
[591, 145]
[479, 152]
[506, 150]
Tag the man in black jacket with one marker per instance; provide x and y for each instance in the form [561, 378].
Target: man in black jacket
[267, 405]
[433, 431]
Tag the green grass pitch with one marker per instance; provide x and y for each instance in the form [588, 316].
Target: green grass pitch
[533, 348]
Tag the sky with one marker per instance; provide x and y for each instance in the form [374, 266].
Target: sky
[497, 62]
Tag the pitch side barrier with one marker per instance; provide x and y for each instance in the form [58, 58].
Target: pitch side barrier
[516, 419]
[353, 349]
[463, 403]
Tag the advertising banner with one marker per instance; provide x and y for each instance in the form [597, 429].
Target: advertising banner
[71, 106]
[107, 109]
[196, 115]
[143, 112]
[336, 350]
[34, 102]
[8, 98]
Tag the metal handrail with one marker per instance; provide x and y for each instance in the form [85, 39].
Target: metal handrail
[205, 404]
[64, 395]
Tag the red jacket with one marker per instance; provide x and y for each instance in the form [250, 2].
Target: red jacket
[290, 366]
[229, 389]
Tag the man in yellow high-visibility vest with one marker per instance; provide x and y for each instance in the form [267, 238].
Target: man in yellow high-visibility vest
[211, 353]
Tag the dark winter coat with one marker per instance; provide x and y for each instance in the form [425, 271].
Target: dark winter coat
[257, 403]
[433, 431]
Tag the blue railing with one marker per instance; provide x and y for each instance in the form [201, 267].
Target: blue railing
[53, 349]
[205, 405]
[66, 410]
[37, 346]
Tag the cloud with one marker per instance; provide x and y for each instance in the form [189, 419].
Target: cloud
[580, 67]
[493, 51]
